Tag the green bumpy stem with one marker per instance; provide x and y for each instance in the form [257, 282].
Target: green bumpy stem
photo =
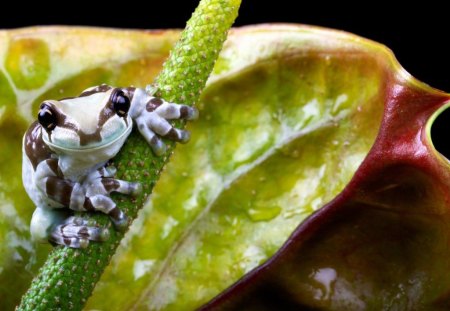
[68, 277]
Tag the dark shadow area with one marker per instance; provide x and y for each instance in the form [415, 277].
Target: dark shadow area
[416, 33]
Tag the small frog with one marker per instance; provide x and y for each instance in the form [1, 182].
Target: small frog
[66, 153]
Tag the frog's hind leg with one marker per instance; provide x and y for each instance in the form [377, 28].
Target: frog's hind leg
[106, 205]
[102, 181]
[58, 227]
[121, 186]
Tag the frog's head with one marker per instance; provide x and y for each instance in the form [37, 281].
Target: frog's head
[95, 120]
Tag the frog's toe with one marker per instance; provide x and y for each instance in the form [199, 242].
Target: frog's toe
[189, 113]
[120, 222]
[157, 145]
[181, 136]
[135, 188]
[172, 111]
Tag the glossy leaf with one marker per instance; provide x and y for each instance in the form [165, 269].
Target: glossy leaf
[286, 120]
[382, 243]
[263, 158]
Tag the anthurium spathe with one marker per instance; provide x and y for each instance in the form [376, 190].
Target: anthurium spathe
[310, 140]
[382, 243]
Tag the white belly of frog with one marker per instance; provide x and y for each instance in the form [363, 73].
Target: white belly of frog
[66, 151]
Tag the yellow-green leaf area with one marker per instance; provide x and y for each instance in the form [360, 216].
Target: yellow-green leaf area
[28, 62]
[7, 96]
[279, 136]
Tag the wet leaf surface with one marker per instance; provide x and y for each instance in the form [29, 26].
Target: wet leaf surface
[286, 120]
[382, 243]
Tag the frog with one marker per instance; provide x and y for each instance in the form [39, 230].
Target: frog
[67, 152]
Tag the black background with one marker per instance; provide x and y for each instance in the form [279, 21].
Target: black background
[418, 34]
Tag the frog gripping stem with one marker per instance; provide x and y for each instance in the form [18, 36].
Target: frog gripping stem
[76, 232]
[69, 275]
[152, 115]
[67, 175]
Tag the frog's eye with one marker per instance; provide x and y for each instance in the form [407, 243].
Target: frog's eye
[121, 103]
[47, 117]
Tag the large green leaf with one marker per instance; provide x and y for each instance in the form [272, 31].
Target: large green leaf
[287, 118]
[382, 243]
[279, 136]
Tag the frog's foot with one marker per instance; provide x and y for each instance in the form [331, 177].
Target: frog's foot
[76, 232]
[152, 122]
[106, 205]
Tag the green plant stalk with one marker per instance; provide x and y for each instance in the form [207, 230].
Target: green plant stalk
[68, 277]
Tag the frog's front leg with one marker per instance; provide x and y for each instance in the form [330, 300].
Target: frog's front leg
[151, 115]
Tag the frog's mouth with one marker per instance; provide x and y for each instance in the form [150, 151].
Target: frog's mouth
[88, 147]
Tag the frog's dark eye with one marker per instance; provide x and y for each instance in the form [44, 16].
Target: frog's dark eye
[47, 117]
[121, 103]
